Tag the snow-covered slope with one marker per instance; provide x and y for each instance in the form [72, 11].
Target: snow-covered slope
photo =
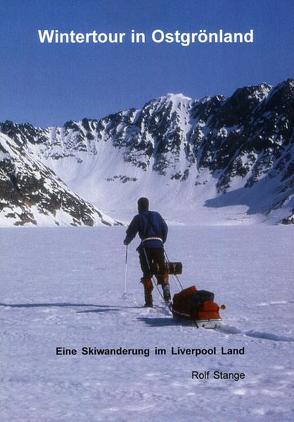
[78, 303]
[32, 194]
[212, 160]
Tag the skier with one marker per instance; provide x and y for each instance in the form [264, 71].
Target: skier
[152, 230]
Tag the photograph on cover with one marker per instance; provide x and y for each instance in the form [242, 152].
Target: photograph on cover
[146, 210]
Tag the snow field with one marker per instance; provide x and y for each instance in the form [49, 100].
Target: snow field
[64, 287]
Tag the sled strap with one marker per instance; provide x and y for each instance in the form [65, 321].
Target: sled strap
[152, 238]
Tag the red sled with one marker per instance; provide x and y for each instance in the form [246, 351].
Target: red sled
[196, 305]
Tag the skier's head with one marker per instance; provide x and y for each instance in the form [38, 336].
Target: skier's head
[143, 204]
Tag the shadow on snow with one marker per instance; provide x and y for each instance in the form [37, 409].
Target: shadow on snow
[102, 308]
[166, 322]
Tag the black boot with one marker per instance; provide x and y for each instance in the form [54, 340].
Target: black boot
[148, 299]
[148, 303]
[166, 292]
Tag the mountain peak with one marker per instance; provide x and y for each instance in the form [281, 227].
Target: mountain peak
[176, 97]
[238, 149]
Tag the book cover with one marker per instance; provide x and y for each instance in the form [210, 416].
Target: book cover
[110, 307]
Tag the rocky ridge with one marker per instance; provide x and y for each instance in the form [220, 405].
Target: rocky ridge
[242, 144]
[32, 194]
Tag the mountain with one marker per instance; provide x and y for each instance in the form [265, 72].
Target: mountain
[213, 160]
[31, 193]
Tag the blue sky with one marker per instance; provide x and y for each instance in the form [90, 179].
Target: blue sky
[50, 84]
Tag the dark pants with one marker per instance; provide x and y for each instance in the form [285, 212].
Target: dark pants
[152, 262]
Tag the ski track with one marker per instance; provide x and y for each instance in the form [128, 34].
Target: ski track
[63, 287]
[255, 334]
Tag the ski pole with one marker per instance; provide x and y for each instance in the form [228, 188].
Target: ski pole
[126, 270]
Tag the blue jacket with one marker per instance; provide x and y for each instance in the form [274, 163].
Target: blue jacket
[148, 224]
